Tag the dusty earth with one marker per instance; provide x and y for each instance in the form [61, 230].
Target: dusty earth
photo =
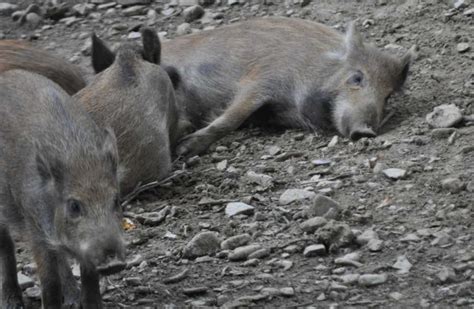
[405, 243]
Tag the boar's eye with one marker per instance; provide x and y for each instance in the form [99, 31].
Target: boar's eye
[74, 209]
[356, 79]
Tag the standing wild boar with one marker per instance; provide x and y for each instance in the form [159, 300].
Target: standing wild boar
[59, 187]
[135, 96]
[19, 55]
[287, 72]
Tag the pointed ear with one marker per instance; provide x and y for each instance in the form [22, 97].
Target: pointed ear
[109, 146]
[405, 63]
[353, 39]
[102, 56]
[174, 75]
[151, 46]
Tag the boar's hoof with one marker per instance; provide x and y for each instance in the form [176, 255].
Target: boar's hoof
[111, 267]
[194, 144]
[11, 302]
[358, 134]
[72, 299]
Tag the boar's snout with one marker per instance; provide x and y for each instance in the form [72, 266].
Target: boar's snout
[107, 255]
[359, 133]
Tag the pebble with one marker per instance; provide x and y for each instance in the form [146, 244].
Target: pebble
[375, 245]
[238, 208]
[182, 29]
[260, 254]
[453, 185]
[33, 292]
[199, 290]
[192, 13]
[314, 250]
[350, 259]
[204, 243]
[396, 296]
[293, 195]
[135, 261]
[6, 9]
[260, 179]
[323, 206]
[366, 237]
[33, 19]
[188, 2]
[25, 281]
[274, 150]
[372, 279]
[402, 264]
[394, 173]
[349, 278]
[132, 2]
[334, 141]
[235, 241]
[221, 166]
[242, 253]
[134, 10]
[288, 291]
[446, 275]
[442, 133]
[311, 225]
[321, 162]
[444, 116]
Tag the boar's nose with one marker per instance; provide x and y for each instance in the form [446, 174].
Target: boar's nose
[362, 132]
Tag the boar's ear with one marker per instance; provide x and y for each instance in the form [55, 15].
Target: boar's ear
[353, 39]
[405, 63]
[109, 146]
[151, 46]
[174, 75]
[102, 56]
[48, 169]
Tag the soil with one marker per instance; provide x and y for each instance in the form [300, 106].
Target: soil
[416, 217]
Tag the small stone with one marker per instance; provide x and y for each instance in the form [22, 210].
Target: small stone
[311, 225]
[366, 237]
[82, 9]
[250, 263]
[446, 275]
[375, 245]
[184, 28]
[288, 291]
[242, 253]
[462, 47]
[33, 19]
[232, 2]
[394, 173]
[396, 296]
[192, 13]
[260, 254]
[293, 195]
[135, 261]
[320, 162]
[402, 264]
[188, 2]
[132, 2]
[335, 235]
[221, 166]
[372, 279]
[444, 116]
[199, 290]
[442, 132]
[323, 206]
[453, 185]
[25, 281]
[134, 10]
[349, 278]
[304, 3]
[410, 237]
[6, 9]
[238, 208]
[206, 2]
[204, 243]
[461, 4]
[33, 292]
[314, 250]
[351, 259]
[260, 179]
[235, 241]
[333, 141]
[274, 150]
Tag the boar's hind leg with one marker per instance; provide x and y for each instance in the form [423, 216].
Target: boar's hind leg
[245, 103]
[70, 288]
[90, 290]
[48, 273]
[10, 292]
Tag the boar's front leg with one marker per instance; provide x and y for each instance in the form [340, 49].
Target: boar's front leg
[246, 102]
[47, 260]
[10, 292]
[90, 289]
[70, 288]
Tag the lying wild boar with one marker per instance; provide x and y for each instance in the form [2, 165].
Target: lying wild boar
[283, 71]
[59, 187]
[19, 55]
[135, 97]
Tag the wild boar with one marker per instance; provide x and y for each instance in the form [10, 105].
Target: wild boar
[59, 188]
[281, 71]
[19, 55]
[135, 96]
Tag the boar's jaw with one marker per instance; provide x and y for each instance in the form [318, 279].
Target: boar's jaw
[317, 109]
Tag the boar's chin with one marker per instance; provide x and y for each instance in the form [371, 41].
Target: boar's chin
[317, 109]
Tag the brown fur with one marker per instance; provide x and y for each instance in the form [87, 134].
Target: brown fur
[19, 55]
[296, 73]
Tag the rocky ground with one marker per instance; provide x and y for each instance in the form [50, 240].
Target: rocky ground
[290, 218]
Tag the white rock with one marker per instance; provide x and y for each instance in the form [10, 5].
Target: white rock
[238, 208]
[394, 173]
[293, 195]
[314, 250]
[372, 279]
[444, 116]
[402, 264]
[25, 281]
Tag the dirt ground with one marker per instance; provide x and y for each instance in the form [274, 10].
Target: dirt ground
[420, 232]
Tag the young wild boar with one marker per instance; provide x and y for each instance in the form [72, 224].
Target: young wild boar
[19, 55]
[285, 71]
[59, 187]
[135, 97]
